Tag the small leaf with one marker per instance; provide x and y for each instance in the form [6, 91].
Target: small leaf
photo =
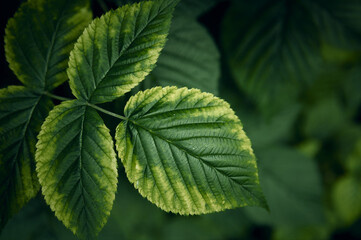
[76, 166]
[39, 38]
[186, 152]
[195, 8]
[118, 50]
[21, 115]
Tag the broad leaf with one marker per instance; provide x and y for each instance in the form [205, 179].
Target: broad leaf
[186, 152]
[21, 115]
[292, 186]
[339, 21]
[76, 166]
[39, 38]
[118, 50]
[272, 48]
[190, 58]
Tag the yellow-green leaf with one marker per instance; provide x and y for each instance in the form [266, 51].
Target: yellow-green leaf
[186, 152]
[118, 50]
[21, 115]
[39, 38]
[76, 166]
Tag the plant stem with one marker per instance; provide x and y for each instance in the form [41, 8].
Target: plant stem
[106, 111]
[56, 97]
[89, 104]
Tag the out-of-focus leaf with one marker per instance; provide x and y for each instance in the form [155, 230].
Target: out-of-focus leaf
[264, 132]
[316, 232]
[324, 118]
[273, 48]
[190, 58]
[186, 8]
[339, 21]
[292, 186]
[346, 196]
[35, 222]
[132, 216]
[195, 8]
[352, 90]
[353, 162]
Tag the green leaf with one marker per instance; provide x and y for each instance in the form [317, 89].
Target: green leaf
[21, 115]
[339, 21]
[186, 152]
[324, 118]
[273, 48]
[190, 58]
[346, 197]
[39, 38]
[76, 166]
[195, 8]
[118, 50]
[292, 186]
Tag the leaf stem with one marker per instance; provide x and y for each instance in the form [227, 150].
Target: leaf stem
[89, 104]
[56, 96]
[107, 112]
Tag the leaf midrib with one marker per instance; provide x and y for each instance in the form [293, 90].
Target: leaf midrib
[52, 43]
[15, 161]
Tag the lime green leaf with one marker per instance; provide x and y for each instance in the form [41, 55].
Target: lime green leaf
[118, 50]
[40, 37]
[186, 152]
[190, 58]
[346, 198]
[272, 48]
[292, 186]
[76, 166]
[21, 115]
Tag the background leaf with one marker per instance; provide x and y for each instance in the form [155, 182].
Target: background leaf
[190, 58]
[272, 47]
[21, 115]
[186, 152]
[339, 21]
[76, 166]
[292, 187]
[118, 50]
[40, 37]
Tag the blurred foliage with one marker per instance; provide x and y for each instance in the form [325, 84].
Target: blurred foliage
[291, 70]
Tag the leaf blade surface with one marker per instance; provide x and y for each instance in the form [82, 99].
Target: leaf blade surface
[118, 50]
[76, 166]
[21, 115]
[39, 38]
